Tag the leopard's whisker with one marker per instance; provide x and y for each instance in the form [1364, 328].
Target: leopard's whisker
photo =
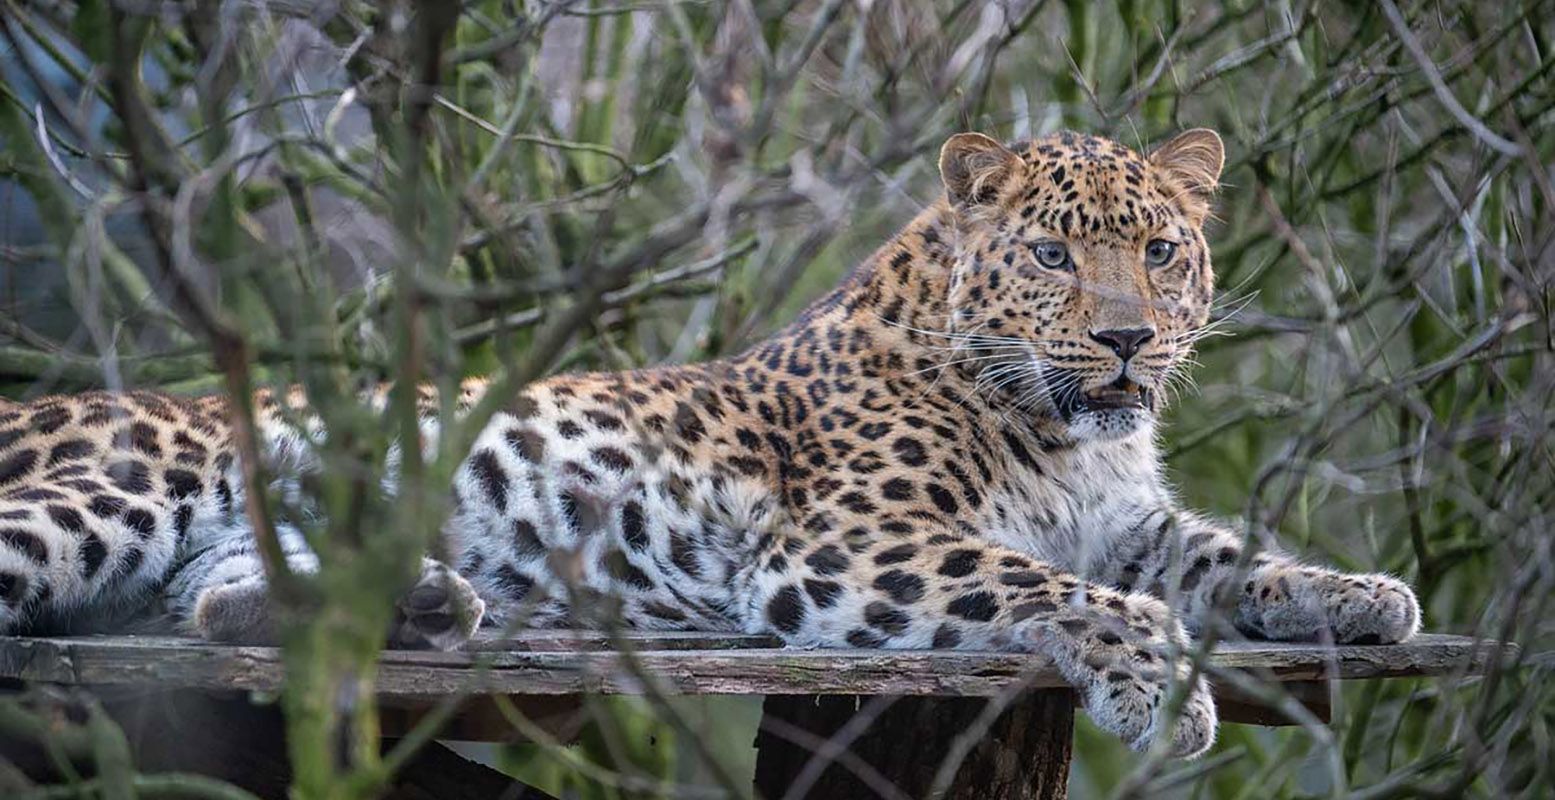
[972, 360]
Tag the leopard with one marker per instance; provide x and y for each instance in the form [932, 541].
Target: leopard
[955, 448]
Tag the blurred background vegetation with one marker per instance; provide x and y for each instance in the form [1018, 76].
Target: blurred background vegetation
[211, 196]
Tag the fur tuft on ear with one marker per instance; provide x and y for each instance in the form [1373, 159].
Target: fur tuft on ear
[974, 168]
[1193, 159]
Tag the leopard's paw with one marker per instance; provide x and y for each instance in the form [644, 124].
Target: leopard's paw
[1195, 723]
[1306, 604]
[1133, 703]
[1119, 659]
[441, 611]
[1372, 609]
[237, 611]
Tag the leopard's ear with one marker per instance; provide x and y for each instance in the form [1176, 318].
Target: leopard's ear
[975, 167]
[1193, 160]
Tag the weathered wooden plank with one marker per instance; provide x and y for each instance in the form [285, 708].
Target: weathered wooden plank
[524, 641]
[1426, 654]
[169, 661]
[570, 640]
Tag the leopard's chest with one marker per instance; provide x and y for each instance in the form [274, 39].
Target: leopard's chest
[1065, 506]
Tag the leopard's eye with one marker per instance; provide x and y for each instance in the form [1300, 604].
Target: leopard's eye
[1159, 252]
[1053, 255]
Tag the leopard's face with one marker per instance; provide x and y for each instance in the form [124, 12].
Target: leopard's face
[1082, 276]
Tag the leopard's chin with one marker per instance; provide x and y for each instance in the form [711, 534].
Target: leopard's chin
[1112, 411]
[1108, 424]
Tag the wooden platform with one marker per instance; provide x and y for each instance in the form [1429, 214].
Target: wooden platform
[812, 695]
[551, 663]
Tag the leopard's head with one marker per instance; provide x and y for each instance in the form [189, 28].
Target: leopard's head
[1081, 277]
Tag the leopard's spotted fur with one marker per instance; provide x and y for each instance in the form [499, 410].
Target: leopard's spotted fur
[954, 449]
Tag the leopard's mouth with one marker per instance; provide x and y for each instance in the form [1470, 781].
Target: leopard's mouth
[1122, 394]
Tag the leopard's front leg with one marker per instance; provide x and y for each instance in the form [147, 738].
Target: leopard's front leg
[1273, 596]
[1124, 653]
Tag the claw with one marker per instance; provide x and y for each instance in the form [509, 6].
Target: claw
[442, 611]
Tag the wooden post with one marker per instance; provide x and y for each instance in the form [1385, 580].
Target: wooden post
[1023, 755]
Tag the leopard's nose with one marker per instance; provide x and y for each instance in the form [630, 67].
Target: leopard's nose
[1124, 341]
